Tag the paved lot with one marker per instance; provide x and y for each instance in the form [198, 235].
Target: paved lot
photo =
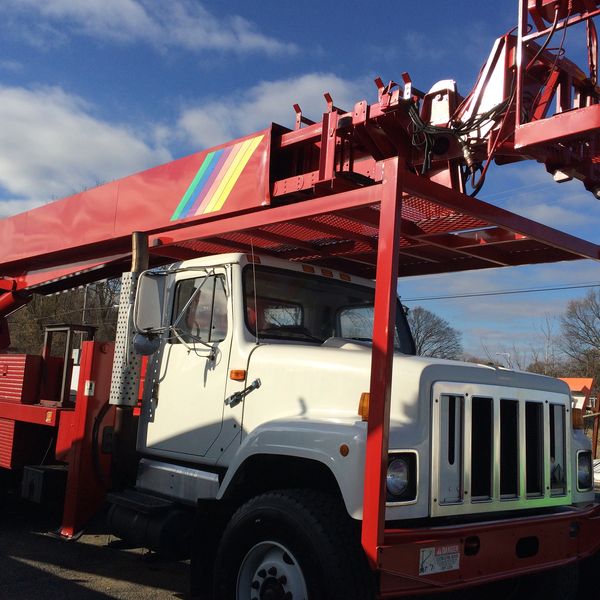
[36, 566]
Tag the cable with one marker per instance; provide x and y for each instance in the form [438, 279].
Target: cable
[95, 442]
[559, 53]
[503, 292]
[423, 134]
[547, 40]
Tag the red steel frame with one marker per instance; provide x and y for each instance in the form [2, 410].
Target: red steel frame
[86, 487]
[343, 193]
[387, 550]
[381, 362]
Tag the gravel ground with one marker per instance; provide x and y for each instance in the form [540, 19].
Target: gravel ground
[34, 565]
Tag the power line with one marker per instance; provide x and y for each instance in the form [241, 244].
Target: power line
[504, 292]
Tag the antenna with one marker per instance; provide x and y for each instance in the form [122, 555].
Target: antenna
[254, 290]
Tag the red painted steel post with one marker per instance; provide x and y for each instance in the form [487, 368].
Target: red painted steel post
[521, 31]
[381, 359]
[86, 487]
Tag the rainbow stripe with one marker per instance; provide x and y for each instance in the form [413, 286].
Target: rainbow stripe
[215, 179]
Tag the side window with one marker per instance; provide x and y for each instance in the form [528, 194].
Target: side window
[356, 323]
[204, 305]
[218, 331]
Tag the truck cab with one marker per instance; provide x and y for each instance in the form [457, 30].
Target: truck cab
[258, 379]
[301, 333]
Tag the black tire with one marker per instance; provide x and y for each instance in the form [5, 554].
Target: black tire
[317, 540]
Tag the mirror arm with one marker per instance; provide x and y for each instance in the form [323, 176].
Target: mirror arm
[189, 348]
[196, 292]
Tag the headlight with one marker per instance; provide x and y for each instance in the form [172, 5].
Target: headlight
[584, 471]
[397, 476]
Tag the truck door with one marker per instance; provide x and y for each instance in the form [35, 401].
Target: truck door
[187, 415]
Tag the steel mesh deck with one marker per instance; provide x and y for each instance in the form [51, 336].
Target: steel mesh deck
[435, 239]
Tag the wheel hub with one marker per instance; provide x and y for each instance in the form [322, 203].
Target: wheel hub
[270, 572]
[272, 589]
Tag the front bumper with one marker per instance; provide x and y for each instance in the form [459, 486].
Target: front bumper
[477, 553]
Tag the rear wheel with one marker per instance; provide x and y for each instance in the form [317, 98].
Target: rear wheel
[291, 545]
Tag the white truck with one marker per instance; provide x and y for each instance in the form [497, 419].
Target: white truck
[255, 407]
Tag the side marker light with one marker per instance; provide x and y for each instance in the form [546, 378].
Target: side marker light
[363, 406]
[237, 374]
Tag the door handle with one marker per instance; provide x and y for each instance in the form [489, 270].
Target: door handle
[237, 397]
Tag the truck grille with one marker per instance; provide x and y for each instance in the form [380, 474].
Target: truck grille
[498, 448]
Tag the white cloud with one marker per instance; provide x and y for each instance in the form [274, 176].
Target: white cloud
[179, 23]
[553, 215]
[217, 121]
[51, 145]
[10, 65]
[10, 207]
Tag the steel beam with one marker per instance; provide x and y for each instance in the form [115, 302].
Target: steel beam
[381, 360]
[439, 194]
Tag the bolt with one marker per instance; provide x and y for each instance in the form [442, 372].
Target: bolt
[288, 596]
[262, 573]
[282, 580]
[255, 585]
[272, 571]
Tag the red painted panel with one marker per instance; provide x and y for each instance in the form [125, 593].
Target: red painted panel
[561, 126]
[7, 434]
[64, 437]
[145, 201]
[30, 413]
[19, 378]
[496, 557]
[88, 478]
[23, 443]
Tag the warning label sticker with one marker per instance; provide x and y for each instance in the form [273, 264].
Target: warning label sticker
[438, 559]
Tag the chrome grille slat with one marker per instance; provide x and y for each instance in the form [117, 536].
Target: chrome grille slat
[452, 484]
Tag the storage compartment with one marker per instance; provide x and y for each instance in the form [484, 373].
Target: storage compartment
[20, 378]
[24, 443]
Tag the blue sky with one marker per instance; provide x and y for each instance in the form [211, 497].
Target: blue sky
[91, 90]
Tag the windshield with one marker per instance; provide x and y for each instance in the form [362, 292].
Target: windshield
[296, 306]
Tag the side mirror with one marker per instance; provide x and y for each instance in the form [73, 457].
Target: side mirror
[145, 345]
[148, 309]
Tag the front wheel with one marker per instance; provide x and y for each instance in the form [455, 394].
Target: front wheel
[291, 545]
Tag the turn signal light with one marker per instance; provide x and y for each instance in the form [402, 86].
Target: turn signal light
[237, 374]
[363, 406]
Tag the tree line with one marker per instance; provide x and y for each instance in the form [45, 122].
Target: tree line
[94, 304]
[571, 344]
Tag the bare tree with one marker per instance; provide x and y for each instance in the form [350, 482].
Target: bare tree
[92, 305]
[433, 335]
[510, 357]
[549, 360]
[580, 328]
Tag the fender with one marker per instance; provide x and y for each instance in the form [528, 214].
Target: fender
[317, 439]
